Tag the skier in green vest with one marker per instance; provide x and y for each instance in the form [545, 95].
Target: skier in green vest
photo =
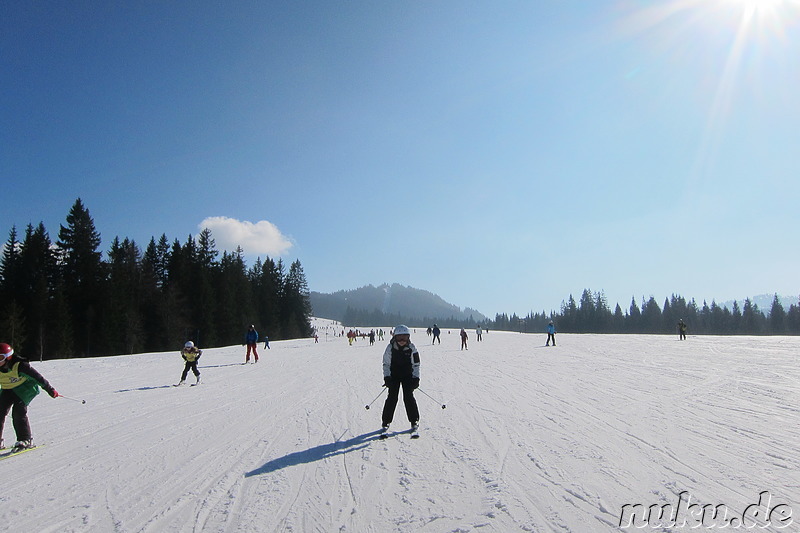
[19, 384]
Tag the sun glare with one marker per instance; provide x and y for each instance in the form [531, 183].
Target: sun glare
[757, 5]
[774, 14]
[732, 38]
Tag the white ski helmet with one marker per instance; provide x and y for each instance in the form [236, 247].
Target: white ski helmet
[189, 344]
[402, 330]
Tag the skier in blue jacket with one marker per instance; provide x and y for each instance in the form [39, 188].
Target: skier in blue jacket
[551, 333]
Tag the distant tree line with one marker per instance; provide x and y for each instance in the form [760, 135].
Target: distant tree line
[592, 314]
[64, 299]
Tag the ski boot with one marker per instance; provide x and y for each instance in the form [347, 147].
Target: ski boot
[23, 445]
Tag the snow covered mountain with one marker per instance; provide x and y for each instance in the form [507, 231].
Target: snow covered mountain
[537, 439]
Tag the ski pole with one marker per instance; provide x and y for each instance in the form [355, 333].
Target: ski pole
[68, 398]
[431, 397]
[376, 397]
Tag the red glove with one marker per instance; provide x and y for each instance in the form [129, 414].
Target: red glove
[54, 394]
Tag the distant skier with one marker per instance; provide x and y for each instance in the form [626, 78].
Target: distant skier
[251, 339]
[371, 337]
[479, 334]
[463, 339]
[266, 342]
[436, 331]
[401, 368]
[681, 330]
[20, 384]
[551, 333]
[191, 354]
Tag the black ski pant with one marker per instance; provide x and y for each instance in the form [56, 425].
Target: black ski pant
[408, 399]
[190, 365]
[549, 337]
[9, 401]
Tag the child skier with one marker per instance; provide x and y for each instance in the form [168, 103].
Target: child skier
[20, 384]
[191, 354]
[401, 368]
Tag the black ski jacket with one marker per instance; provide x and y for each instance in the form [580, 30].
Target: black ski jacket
[401, 362]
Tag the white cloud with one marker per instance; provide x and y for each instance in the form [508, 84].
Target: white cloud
[263, 237]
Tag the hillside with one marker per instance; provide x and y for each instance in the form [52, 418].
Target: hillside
[392, 299]
[532, 439]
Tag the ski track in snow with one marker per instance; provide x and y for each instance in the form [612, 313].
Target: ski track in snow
[533, 439]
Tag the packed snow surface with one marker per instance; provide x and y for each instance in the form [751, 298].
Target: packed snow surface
[533, 438]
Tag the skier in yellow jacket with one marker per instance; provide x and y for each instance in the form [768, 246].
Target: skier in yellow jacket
[191, 354]
[20, 384]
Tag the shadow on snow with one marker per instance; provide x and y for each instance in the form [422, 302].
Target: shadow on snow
[317, 453]
[146, 388]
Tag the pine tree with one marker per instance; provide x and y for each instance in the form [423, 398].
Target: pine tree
[569, 316]
[153, 279]
[618, 322]
[37, 274]
[603, 317]
[236, 296]
[123, 319]
[651, 316]
[777, 317]
[267, 282]
[297, 308]
[83, 274]
[736, 318]
[586, 313]
[9, 267]
[793, 318]
[749, 320]
[634, 317]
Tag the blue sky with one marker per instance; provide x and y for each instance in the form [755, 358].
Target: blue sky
[501, 154]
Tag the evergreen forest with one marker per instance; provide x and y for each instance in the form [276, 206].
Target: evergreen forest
[66, 299]
[592, 314]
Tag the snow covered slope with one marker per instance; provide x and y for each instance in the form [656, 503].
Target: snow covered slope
[532, 439]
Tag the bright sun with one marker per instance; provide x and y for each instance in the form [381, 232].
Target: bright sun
[757, 4]
[732, 39]
[762, 9]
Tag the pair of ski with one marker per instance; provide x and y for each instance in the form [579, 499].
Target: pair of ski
[385, 433]
[8, 453]
[191, 385]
